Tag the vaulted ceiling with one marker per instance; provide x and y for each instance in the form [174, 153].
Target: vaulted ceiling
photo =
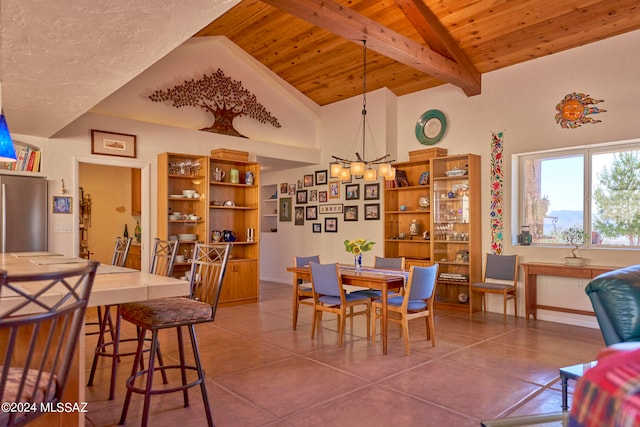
[315, 45]
[59, 59]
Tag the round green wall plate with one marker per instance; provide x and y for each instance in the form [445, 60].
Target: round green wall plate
[431, 127]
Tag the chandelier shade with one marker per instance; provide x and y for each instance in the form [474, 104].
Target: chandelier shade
[360, 166]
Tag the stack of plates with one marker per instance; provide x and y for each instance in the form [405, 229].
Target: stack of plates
[187, 237]
[175, 196]
[173, 237]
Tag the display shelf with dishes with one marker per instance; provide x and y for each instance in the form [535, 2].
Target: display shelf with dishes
[182, 209]
[234, 216]
[269, 208]
[455, 230]
[407, 213]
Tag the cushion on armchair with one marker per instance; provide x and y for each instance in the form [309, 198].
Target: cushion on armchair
[615, 297]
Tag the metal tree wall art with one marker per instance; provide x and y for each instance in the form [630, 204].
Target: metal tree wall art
[219, 95]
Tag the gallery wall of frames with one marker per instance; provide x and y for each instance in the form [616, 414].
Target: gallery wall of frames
[321, 202]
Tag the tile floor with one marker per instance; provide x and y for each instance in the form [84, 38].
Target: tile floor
[262, 373]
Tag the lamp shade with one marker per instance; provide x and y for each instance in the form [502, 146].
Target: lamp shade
[336, 169]
[345, 175]
[357, 168]
[7, 151]
[370, 175]
[384, 169]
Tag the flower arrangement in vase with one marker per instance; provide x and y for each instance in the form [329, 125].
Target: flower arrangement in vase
[574, 236]
[357, 247]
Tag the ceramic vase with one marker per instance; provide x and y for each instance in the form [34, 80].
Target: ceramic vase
[358, 262]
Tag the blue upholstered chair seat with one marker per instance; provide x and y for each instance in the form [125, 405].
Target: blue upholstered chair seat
[413, 305]
[331, 300]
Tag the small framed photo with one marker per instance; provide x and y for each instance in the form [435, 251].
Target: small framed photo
[372, 211]
[300, 184]
[308, 180]
[372, 191]
[284, 188]
[113, 144]
[350, 213]
[332, 208]
[285, 209]
[292, 189]
[299, 213]
[317, 227]
[321, 178]
[61, 205]
[334, 191]
[313, 195]
[311, 213]
[331, 225]
[301, 197]
[322, 196]
[352, 192]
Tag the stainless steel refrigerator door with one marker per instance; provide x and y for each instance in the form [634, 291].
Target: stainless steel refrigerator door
[23, 211]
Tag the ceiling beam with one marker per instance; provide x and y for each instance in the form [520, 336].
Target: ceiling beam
[346, 23]
[436, 35]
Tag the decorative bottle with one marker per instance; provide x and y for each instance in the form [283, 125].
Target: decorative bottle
[126, 232]
[138, 232]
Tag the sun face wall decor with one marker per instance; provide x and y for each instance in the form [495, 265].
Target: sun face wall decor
[574, 109]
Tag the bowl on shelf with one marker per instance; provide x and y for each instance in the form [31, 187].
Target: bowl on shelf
[187, 237]
[188, 193]
[173, 237]
[456, 172]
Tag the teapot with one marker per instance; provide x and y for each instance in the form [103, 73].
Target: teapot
[218, 174]
[228, 236]
[216, 235]
[249, 177]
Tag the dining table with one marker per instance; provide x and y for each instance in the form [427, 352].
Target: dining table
[112, 285]
[367, 277]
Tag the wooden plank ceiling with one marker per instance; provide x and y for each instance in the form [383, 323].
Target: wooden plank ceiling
[316, 45]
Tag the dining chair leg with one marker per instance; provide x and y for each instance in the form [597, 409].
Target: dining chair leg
[504, 308]
[201, 375]
[183, 371]
[343, 321]
[405, 332]
[432, 330]
[136, 362]
[296, 306]
[313, 324]
[373, 327]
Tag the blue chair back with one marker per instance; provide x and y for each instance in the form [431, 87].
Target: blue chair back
[393, 263]
[325, 279]
[301, 261]
[423, 282]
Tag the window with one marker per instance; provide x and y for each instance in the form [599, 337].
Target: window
[596, 189]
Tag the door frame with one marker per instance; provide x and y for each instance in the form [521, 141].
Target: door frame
[145, 217]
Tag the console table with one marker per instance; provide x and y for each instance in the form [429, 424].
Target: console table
[534, 269]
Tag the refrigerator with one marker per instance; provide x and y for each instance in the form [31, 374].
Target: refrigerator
[23, 213]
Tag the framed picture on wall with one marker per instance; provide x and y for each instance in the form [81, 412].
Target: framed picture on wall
[334, 190]
[61, 205]
[350, 213]
[284, 188]
[322, 196]
[317, 227]
[301, 197]
[352, 192]
[299, 214]
[372, 191]
[311, 213]
[321, 178]
[331, 225]
[113, 144]
[285, 209]
[372, 211]
[308, 180]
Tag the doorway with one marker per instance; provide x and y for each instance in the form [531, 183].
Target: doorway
[119, 201]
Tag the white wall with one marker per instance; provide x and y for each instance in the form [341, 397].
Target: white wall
[519, 100]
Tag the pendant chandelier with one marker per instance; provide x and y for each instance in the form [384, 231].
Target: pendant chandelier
[344, 168]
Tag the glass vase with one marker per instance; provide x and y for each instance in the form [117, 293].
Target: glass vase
[358, 262]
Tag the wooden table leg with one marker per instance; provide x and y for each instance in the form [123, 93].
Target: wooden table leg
[384, 317]
[295, 301]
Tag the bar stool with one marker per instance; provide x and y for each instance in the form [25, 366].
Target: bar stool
[208, 268]
[163, 258]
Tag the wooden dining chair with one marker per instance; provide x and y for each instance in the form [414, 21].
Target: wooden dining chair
[500, 276]
[302, 292]
[162, 261]
[39, 335]
[417, 301]
[208, 268]
[329, 296]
